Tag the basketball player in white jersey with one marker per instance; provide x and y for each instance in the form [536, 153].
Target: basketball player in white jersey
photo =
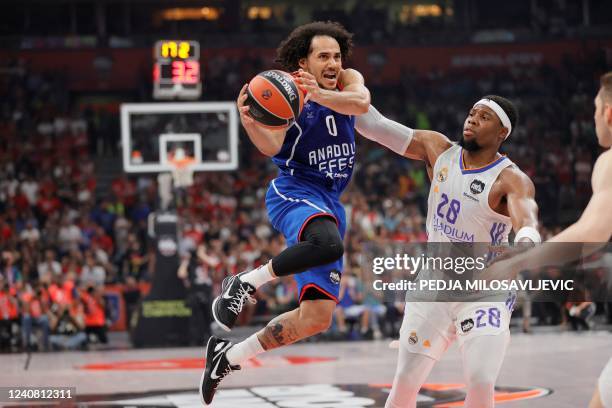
[594, 226]
[477, 195]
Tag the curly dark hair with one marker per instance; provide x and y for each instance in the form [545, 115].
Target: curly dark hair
[297, 45]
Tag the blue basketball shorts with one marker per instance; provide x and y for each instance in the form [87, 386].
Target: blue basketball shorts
[291, 204]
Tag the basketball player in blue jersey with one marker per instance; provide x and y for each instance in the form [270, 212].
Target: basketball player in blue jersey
[315, 157]
[477, 196]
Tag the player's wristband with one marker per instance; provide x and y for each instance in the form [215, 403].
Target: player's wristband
[529, 233]
[374, 126]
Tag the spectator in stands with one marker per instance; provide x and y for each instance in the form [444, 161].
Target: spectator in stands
[67, 323]
[194, 272]
[377, 313]
[6, 232]
[35, 309]
[95, 315]
[9, 315]
[93, 272]
[351, 309]
[283, 295]
[9, 269]
[580, 315]
[62, 290]
[30, 234]
[579, 309]
[47, 205]
[131, 297]
[135, 260]
[29, 187]
[69, 236]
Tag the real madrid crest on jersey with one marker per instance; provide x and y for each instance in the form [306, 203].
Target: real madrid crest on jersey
[442, 175]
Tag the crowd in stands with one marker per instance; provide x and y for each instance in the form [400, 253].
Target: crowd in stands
[61, 241]
[59, 244]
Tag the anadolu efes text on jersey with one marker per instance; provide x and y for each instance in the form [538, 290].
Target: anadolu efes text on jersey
[458, 205]
[319, 147]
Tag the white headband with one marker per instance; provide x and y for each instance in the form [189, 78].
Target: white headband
[503, 116]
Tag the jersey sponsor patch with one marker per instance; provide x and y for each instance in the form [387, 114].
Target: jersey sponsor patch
[452, 233]
[477, 187]
[467, 325]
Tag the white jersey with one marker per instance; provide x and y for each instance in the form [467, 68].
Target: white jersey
[458, 204]
[459, 213]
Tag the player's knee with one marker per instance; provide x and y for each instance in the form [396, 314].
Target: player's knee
[318, 323]
[321, 323]
[481, 381]
[323, 233]
[329, 242]
[332, 250]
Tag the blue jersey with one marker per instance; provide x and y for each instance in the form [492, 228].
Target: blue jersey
[320, 148]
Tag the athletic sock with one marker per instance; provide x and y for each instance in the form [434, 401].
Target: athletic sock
[244, 350]
[258, 276]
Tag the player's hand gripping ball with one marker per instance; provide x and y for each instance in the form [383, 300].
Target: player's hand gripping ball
[274, 99]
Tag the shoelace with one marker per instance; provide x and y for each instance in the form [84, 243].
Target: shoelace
[237, 302]
[222, 375]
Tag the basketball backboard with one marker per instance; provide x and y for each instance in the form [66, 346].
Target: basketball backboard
[206, 131]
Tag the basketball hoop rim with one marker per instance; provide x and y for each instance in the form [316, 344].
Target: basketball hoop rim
[182, 171]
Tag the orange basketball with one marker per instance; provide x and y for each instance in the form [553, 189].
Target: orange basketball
[274, 98]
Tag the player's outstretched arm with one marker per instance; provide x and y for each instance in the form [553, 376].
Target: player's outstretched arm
[267, 141]
[594, 227]
[353, 99]
[595, 223]
[425, 145]
[522, 207]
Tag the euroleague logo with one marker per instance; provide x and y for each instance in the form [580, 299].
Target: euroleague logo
[266, 94]
[167, 246]
[334, 277]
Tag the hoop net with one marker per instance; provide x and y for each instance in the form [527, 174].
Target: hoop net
[182, 171]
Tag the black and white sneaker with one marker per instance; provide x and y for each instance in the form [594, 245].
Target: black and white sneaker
[217, 367]
[227, 306]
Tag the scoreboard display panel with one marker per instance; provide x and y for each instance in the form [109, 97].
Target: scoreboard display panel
[176, 71]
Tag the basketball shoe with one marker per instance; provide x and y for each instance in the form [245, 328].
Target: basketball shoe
[227, 306]
[217, 367]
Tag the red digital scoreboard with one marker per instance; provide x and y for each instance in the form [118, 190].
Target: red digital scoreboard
[176, 73]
